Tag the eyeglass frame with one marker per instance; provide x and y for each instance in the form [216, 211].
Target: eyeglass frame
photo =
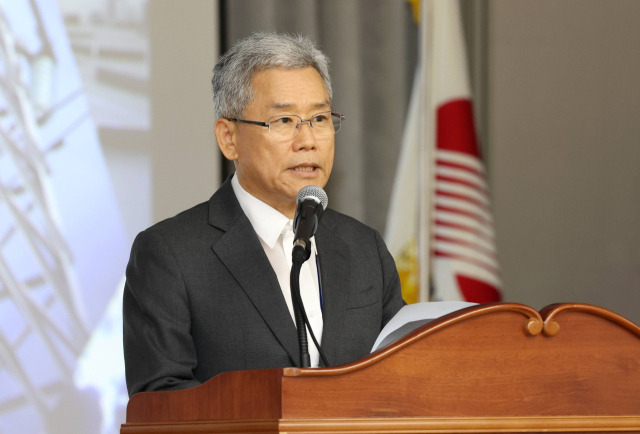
[267, 124]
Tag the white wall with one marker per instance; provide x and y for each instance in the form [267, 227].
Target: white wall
[185, 163]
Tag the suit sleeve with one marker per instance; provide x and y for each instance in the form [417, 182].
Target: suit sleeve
[392, 300]
[158, 348]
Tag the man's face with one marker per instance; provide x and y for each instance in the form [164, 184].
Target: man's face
[272, 169]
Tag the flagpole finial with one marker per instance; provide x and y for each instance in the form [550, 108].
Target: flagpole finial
[415, 9]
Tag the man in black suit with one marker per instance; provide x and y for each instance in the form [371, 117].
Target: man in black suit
[207, 291]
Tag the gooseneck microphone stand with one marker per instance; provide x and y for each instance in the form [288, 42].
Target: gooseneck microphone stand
[298, 307]
[300, 254]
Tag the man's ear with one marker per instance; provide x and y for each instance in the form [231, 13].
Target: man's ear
[225, 132]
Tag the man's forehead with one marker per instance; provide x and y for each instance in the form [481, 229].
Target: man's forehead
[293, 90]
[286, 75]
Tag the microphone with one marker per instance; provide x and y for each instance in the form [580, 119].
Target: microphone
[312, 201]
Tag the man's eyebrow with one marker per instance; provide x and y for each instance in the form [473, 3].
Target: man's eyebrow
[281, 105]
[322, 104]
[287, 105]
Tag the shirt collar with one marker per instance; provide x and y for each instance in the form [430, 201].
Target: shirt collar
[268, 222]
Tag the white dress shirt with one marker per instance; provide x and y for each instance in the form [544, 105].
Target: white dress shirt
[275, 232]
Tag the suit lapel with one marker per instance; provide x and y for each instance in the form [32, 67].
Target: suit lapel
[334, 270]
[241, 252]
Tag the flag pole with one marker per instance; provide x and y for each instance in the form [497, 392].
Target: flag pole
[427, 150]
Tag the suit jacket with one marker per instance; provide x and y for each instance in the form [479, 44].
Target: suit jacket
[202, 298]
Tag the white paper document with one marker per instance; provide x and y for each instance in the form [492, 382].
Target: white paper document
[412, 316]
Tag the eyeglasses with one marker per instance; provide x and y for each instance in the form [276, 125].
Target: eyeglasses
[286, 127]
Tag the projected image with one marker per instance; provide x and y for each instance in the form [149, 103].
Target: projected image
[109, 39]
[63, 244]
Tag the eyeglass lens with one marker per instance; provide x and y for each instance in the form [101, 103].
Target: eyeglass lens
[322, 124]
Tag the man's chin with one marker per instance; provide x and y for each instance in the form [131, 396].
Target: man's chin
[317, 180]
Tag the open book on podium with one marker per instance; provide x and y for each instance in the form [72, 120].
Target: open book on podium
[489, 368]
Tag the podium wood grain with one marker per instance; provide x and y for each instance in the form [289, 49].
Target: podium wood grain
[491, 368]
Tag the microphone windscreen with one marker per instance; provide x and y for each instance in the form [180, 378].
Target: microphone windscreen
[313, 192]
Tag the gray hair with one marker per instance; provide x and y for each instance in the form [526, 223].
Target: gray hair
[232, 75]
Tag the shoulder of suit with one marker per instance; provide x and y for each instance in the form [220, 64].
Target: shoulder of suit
[338, 221]
[183, 221]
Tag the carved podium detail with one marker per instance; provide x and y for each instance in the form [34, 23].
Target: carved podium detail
[500, 367]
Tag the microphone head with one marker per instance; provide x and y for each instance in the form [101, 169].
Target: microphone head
[313, 192]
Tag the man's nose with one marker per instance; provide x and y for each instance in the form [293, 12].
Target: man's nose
[305, 137]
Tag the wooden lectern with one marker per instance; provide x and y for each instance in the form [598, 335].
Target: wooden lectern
[485, 369]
